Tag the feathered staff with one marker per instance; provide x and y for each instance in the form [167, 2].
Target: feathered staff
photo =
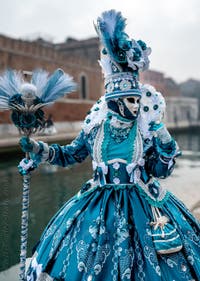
[26, 101]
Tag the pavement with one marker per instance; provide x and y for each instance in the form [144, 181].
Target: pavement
[12, 274]
[10, 141]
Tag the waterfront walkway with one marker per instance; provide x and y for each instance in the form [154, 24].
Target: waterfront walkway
[13, 141]
[65, 131]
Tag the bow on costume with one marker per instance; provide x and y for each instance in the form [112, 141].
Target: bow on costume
[100, 170]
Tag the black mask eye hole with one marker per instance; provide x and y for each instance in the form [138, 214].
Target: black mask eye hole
[133, 100]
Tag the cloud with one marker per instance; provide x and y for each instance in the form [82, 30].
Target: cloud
[170, 27]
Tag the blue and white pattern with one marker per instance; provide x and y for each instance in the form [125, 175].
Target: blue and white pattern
[102, 233]
[92, 257]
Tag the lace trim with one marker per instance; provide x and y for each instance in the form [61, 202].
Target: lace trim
[119, 160]
[136, 150]
[119, 134]
[119, 123]
[105, 142]
[96, 115]
[159, 201]
[97, 154]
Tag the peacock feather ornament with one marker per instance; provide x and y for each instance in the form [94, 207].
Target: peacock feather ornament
[26, 100]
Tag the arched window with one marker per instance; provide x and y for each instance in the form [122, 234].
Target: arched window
[83, 86]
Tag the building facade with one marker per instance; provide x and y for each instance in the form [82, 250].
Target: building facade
[26, 56]
[79, 59]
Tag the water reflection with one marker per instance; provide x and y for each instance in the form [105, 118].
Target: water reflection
[189, 141]
[52, 186]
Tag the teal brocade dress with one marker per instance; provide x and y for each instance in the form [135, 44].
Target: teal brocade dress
[102, 233]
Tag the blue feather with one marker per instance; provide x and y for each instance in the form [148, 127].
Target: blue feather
[15, 80]
[110, 28]
[51, 82]
[49, 88]
[10, 83]
[4, 101]
[58, 84]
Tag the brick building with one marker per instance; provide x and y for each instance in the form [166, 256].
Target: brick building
[167, 86]
[79, 59]
[24, 55]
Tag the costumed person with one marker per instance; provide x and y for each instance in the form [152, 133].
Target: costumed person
[122, 225]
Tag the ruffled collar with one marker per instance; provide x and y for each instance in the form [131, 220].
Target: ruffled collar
[118, 121]
[100, 112]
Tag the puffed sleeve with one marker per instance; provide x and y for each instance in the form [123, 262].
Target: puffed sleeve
[160, 158]
[69, 154]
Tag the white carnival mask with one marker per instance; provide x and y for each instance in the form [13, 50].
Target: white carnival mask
[133, 104]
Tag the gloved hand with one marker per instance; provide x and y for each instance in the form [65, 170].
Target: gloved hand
[39, 151]
[29, 145]
[161, 132]
[26, 166]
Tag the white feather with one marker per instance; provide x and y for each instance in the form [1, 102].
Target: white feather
[110, 20]
[146, 117]
[10, 83]
[39, 79]
[105, 64]
[96, 116]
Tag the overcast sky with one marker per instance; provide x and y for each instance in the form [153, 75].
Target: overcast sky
[170, 27]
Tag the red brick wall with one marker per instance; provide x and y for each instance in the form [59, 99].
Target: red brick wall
[68, 111]
[24, 55]
[60, 112]
[166, 86]
[5, 117]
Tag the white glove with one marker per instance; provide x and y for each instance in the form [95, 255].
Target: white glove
[161, 132]
[164, 135]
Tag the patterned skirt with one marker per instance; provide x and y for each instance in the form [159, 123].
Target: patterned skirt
[103, 235]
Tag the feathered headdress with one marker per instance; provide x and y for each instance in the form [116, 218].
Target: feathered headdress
[121, 57]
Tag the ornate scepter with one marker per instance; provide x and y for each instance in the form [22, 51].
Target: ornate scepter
[26, 101]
